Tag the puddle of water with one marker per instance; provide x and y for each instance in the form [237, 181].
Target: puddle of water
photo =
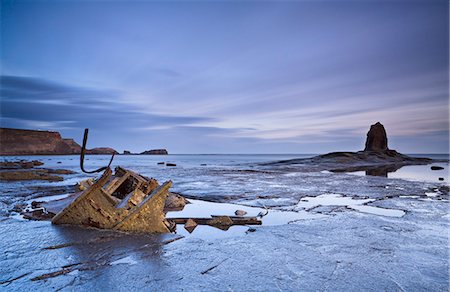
[410, 197]
[422, 173]
[48, 198]
[204, 209]
[292, 174]
[17, 216]
[74, 273]
[378, 211]
[417, 173]
[208, 232]
[329, 200]
[326, 171]
[339, 200]
[273, 202]
[126, 260]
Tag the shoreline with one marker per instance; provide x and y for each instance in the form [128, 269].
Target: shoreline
[319, 247]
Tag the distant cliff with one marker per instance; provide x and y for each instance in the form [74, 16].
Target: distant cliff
[32, 142]
[155, 152]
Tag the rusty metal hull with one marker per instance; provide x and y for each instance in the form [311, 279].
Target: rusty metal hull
[148, 216]
[100, 205]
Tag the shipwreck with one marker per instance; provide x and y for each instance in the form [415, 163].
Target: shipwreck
[128, 201]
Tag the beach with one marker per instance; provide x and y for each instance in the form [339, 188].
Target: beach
[324, 231]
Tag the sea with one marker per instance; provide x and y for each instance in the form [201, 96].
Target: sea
[229, 177]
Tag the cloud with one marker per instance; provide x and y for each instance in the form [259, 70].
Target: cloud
[36, 103]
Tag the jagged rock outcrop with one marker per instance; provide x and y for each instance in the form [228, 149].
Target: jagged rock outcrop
[376, 138]
[155, 152]
[376, 158]
[33, 142]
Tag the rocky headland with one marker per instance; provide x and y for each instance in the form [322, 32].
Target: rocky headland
[26, 170]
[147, 152]
[33, 142]
[155, 152]
[376, 158]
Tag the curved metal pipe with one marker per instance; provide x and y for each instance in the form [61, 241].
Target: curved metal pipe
[83, 152]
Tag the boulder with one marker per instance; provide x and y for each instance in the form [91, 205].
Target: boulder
[376, 138]
[175, 202]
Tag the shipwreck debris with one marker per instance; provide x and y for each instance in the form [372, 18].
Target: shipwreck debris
[83, 152]
[125, 201]
[128, 201]
[190, 225]
[221, 222]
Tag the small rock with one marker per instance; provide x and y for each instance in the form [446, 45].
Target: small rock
[251, 229]
[240, 212]
[36, 204]
[436, 168]
[18, 208]
[190, 225]
[37, 163]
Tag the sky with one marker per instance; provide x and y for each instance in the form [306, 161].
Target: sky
[228, 76]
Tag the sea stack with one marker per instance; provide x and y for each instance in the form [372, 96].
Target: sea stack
[376, 138]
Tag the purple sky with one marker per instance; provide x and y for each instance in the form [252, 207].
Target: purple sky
[229, 76]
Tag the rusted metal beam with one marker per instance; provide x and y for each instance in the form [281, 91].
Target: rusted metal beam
[148, 216]
[210, 221]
